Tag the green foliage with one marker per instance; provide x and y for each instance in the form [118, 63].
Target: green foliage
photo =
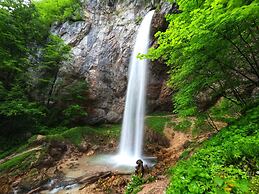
[201, 125]
[17, 36]
[254, 185]
[54, 53]
[157, 123]
[74, 111]
[68, 103]
[58, 10]
[14, 111]
[225, 110]
[21, 162]
[77, 134]
[160, 114]
[134, 186]
[31, 92]
[210, 46]
[182, 126]
[225, 164]
[18, 111]
[184, 155]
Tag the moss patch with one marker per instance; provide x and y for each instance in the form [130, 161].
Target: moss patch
[157, 123]
[21, 162]
[77, 134]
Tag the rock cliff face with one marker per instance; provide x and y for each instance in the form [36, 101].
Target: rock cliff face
[101, 49]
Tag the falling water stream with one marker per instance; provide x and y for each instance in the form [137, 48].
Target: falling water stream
[131, 142]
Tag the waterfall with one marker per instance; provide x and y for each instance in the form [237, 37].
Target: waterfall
[131, 142]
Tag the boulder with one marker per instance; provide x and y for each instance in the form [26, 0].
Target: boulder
[57, 149]
[113, 117]
[84, 147]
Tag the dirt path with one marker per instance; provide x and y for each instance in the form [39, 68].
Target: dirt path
[157, 187]
[169, 156]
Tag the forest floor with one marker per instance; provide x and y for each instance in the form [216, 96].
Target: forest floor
[170, 156]
[179, 142]
[74, 172]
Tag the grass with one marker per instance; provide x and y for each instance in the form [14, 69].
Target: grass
[77, 134]
[73, 135]
[21, 162]
[183, 126]
[7, 152]
[157, 123]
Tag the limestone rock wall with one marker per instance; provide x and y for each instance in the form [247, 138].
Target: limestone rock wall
[101, 49]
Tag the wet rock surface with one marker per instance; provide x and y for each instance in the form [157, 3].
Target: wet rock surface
[33, 179]
[101, 49]
[55, 151]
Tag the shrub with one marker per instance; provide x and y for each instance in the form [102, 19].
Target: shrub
[134, 186]
[57, 10]
[225, 164]
[183, 125]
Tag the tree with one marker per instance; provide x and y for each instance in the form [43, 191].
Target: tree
[58, 10]
[17, 111]
[211, 46]
[30, 59]
[17, 38]
[53, 55]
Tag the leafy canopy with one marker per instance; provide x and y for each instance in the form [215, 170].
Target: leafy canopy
[58, 10]
[211, 46]
[30, 62]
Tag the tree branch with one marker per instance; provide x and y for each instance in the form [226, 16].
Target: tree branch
[237, 71]
[251, 50]
[242, 54]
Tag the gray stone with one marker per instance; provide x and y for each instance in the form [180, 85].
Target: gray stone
[113, 117]
[101, 49]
